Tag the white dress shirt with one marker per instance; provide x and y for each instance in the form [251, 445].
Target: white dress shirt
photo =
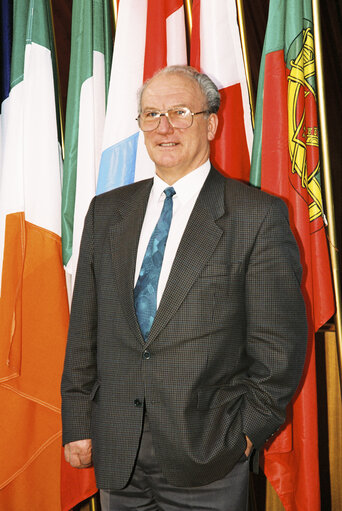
[187, 190]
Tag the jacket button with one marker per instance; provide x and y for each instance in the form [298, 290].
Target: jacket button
[146, 355]
[137, 403]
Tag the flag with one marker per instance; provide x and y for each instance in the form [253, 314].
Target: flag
[90, 61]
[285, 162]
[33, 300]
[159, 39]
[216, 51]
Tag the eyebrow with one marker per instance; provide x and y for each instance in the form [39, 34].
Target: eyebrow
[182, 105]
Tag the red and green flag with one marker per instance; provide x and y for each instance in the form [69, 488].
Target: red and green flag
[286, 163]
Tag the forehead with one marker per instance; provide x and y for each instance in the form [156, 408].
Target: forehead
[165, 91]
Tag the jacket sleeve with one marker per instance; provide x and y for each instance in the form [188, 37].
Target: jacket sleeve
[79, 375]
[276, 325]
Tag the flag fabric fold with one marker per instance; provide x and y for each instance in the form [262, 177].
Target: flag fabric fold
[33, 300]
[216, 51]
[285, 162]
[159, 40]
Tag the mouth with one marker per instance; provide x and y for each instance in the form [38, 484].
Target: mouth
[167, 144]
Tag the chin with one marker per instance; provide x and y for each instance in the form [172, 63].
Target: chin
[166, 164]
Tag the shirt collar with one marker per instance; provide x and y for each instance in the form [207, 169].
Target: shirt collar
[185, 188]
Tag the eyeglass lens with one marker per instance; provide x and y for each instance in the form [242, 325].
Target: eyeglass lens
[177, 117]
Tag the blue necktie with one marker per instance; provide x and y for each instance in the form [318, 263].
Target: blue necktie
[145, 291]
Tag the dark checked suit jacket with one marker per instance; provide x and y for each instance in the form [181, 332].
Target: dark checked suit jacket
[225, 352]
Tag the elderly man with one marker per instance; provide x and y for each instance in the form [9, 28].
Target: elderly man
[187, 332]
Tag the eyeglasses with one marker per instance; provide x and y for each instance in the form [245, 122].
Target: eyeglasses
[178, 118]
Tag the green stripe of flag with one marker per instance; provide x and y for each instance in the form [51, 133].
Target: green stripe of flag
[91, 31]
[31, 24]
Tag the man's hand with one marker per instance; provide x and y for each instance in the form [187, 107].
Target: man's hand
[249, 446]
[78, 453]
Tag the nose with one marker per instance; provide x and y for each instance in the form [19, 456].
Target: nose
[164, 125]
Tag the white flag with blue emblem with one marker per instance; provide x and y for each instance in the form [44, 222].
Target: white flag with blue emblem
[150, 34]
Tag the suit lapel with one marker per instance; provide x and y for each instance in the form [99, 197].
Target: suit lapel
[197, 245]
[124, 239]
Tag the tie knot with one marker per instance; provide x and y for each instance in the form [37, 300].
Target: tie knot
[169, 192]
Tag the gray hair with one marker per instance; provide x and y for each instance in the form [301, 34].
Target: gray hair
[206, 85]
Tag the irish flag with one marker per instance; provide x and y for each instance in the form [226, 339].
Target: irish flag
[216, 51]
[150, 34]
[286, 163]
[90, 61]
[33, 299]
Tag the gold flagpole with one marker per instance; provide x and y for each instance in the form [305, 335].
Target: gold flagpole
[188, 21]
[60, 108]
[188, 13]
[115, 11]
[329, 201]
[92, 504]
[243, 33]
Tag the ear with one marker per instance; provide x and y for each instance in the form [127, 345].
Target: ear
[212, 126]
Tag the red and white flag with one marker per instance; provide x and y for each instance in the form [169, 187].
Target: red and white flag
[216, 51]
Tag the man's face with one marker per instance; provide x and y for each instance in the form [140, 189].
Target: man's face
[176, 152]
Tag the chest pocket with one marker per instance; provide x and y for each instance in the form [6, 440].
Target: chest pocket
[220, 275]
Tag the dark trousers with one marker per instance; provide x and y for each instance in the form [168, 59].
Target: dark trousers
[148, 490]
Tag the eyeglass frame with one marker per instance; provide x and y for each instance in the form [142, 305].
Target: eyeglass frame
[166, 114]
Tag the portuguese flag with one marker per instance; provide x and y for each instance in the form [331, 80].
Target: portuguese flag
[285, 162]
